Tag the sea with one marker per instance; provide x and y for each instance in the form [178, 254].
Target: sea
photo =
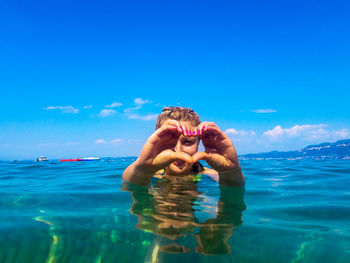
[79, 212]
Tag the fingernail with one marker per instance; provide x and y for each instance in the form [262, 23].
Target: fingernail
[203, 127]
[193, 133]
[198, 131]
[181, 128]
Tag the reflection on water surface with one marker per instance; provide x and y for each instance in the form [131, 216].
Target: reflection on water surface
[168, 209]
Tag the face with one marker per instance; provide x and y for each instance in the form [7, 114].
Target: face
[187, 145]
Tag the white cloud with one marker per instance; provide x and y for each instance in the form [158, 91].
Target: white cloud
[87, 107]
[114, 141]
[114, 104]
[131, 113]
[148, 117]
[285, 138]
[264, 111]
[306, 131]
[64, 109]
[140, 101]
[100, 141]
[342, 134]
[231, 131]
[239, 132]
[106, 113]
[277, 131]
[241, 136]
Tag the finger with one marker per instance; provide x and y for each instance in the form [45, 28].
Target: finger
[209, 125]
[187, 130]
[180, 156]
[170, 122]
[170, 125]
[212, 124]
[204, 126]
[168, 156]
[190, 131]
[193, 132]
[182, 129]
[216, 161]
[213, 129]
[200, 156]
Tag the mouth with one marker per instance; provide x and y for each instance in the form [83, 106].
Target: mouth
[180, 163]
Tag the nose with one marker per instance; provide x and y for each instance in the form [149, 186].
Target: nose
[178, 147]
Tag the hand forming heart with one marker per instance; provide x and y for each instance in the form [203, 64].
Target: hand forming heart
[159, 151]
[220, 152]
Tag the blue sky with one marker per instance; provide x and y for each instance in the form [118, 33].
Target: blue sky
[274, 75]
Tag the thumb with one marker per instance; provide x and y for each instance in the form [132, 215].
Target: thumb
[216, 161]
[201, 156]
[166, 157]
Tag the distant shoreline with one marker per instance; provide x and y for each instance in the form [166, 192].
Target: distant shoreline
[336, 150]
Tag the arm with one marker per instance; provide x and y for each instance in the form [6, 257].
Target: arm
[214, 234]
[220, 154]
[157, 153]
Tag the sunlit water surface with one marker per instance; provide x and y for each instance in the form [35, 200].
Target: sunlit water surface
[290, 211]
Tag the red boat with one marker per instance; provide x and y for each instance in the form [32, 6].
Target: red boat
[71, 160]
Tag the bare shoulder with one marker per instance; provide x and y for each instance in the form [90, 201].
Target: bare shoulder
[212, 173]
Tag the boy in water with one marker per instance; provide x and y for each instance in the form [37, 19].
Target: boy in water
[172, 150]
[168, 208]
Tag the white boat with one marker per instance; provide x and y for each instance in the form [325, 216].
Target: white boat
[90, 159]
[42, 159]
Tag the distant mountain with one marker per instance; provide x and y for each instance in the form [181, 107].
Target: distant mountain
[335, 150]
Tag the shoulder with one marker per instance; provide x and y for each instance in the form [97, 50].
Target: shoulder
[212, 173]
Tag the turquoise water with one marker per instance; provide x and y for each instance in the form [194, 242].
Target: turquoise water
[290, 211]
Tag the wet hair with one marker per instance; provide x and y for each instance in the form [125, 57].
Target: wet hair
[197, 168]
[178, 114]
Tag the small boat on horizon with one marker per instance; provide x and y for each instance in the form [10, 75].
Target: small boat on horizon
[42, 159]
[71, 160]
[86, 159]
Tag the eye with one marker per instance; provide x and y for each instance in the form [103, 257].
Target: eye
[188, 143]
